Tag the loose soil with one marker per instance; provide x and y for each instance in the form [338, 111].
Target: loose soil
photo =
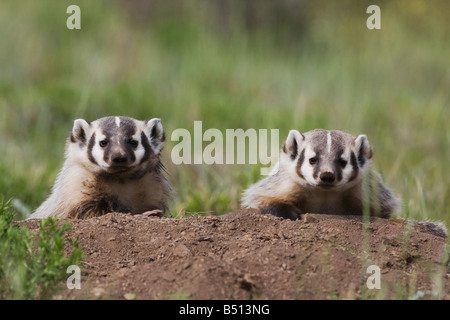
[247, 255]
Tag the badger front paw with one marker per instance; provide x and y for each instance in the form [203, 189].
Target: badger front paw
[282, 210]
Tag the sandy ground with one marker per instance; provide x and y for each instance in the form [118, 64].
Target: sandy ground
[247, 255]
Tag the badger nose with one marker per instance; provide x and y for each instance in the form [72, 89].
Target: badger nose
[327, 177]
[119, 159]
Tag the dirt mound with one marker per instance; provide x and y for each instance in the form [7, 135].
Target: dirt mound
[246, 255]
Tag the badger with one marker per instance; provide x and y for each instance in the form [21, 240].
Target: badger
[323, 171]
[111, 165]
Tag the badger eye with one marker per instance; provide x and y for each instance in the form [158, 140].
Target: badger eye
[133, 143]
[103, 143]
[313, 160]
[342, 163]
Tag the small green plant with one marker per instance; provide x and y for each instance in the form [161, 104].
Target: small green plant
[32, 266]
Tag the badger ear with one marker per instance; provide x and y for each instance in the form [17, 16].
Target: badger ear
[363, 149]
[156, 135]
[292, 144]
[80, 131]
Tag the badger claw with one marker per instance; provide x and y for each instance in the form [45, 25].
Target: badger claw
[153, 213]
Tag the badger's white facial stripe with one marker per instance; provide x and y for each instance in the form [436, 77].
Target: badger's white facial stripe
[346, 174]
[97, 152]
[117, 122]
[329, 142]
[140, 150]
[348, 170]
[307, 169]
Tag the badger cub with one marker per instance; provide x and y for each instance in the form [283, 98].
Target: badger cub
[111, 165]
[322, 171]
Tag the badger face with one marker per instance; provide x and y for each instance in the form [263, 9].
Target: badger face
[326, 159]
[117, 146]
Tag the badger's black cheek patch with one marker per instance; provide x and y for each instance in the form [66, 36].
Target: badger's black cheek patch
[107, 152]
[89, 149]
[316, 165]
[338, 172]
[301, 159]
[146, 146]
[355, 168]
[129, 151]
[337, 166]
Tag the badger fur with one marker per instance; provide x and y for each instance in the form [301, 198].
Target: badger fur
[111, 165]
[323, 171]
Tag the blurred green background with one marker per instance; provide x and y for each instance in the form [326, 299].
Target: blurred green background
[232, 64]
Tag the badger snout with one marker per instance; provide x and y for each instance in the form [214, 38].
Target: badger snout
[118, 158]
[327, 179]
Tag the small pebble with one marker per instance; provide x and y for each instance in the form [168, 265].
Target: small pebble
[129, 296]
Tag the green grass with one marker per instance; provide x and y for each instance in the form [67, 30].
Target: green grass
[33, 266]
[181, 65]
